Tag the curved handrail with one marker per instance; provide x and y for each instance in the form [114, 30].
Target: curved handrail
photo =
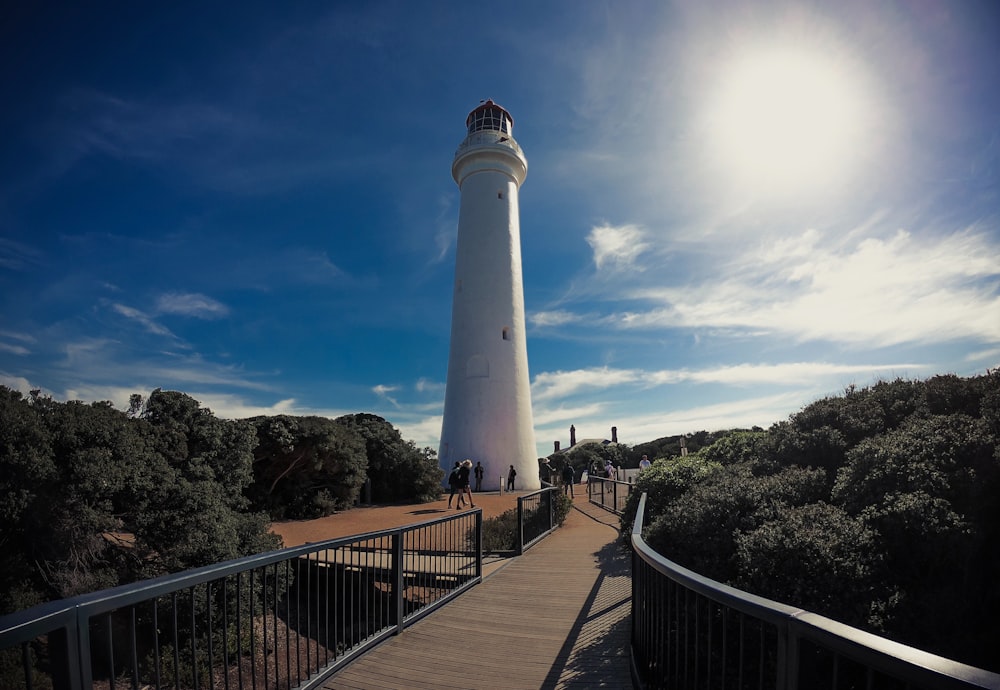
[794, 627]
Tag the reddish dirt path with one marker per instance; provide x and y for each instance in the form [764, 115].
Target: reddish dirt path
[370, 519]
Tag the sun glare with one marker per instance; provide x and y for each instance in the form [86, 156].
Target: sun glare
[785, 121]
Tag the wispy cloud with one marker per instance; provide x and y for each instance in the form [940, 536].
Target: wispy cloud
[191, 304]
[384, 393]
[563, 384]
[142, 318]
[16, 256]
[616, 247]
[553, 319]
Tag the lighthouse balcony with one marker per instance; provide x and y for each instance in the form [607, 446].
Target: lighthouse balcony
[489, 137]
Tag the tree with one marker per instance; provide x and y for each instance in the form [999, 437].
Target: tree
[306, 467]
[398, 470]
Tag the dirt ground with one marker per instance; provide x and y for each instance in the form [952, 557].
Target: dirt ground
[369, 519]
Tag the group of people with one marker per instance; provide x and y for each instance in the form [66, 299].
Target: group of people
[459, 479]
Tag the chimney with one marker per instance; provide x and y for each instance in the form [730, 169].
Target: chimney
[572, 435]
[556, 448]
[614, 434]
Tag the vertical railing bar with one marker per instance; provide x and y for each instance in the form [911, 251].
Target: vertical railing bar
[288, 624]
[225, 632]
[177, 642]
[239, 634]
[742, 646]
[274, 619]
[134, 648]
[111, 655]
[253, 641]
[760, 670]
[194, 645]
[323, 606]
[310, 636]
[697, 635]
[156, 643]
[725, 644]
[26, 666]
[263, 627]
[211, 647]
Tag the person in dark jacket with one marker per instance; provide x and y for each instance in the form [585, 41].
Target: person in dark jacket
[453, 483]
[568, 474]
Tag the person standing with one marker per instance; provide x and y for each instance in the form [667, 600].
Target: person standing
[644, 463]
[463, 484]
[568, 474]
[510, 478]
[479, 472]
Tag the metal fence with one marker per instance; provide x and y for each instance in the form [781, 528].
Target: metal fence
[286, 619]
[610, 494]
[536, 517]
[692, 632]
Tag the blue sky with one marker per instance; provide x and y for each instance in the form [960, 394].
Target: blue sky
[731, 209]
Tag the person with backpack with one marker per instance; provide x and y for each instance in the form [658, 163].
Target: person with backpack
[453, 483]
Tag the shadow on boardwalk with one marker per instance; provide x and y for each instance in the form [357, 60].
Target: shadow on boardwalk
[594, 650]
[556, 617]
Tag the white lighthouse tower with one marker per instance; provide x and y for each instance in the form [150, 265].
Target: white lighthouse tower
[487, 404]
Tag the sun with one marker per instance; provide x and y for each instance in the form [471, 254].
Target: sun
[784, 121]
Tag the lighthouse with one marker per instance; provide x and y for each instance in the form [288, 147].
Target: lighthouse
[487, 404]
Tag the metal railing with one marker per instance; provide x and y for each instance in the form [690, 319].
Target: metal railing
[283, 619]
[692, 632]
[610, 494]
[536, 517]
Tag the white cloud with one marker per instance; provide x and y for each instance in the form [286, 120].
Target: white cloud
[141, 317]
[191, 304]
[617, 247]
[14, 349]
[384, 391]
[553, 319]
[878, 292]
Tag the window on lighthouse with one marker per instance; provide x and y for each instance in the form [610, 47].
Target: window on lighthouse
[506, 333]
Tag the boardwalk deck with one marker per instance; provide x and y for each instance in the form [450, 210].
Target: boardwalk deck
[557, 617]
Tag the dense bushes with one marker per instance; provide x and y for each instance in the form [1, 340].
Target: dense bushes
[877, 508]
[92, 497]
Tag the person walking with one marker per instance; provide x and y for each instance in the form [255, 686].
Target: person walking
[510, 478]
[568, 474]
[453, 482]
[463, 484]
[479, 472]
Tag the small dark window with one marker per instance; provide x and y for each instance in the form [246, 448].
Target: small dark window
[499, 195]
[506, 333]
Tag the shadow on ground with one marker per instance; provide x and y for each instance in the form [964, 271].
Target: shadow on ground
[595, 654]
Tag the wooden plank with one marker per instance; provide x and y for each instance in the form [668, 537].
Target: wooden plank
[554, 617]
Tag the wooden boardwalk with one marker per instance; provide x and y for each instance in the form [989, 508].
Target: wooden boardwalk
[556, 617]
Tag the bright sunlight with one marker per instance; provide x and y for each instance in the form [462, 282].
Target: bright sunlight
[785, 122]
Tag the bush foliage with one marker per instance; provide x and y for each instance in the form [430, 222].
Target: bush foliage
[92, 497]
[877, 508]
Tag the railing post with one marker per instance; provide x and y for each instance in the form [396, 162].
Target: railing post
[520, 527]
[479, 544]
[65, 654]
[397, 579]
